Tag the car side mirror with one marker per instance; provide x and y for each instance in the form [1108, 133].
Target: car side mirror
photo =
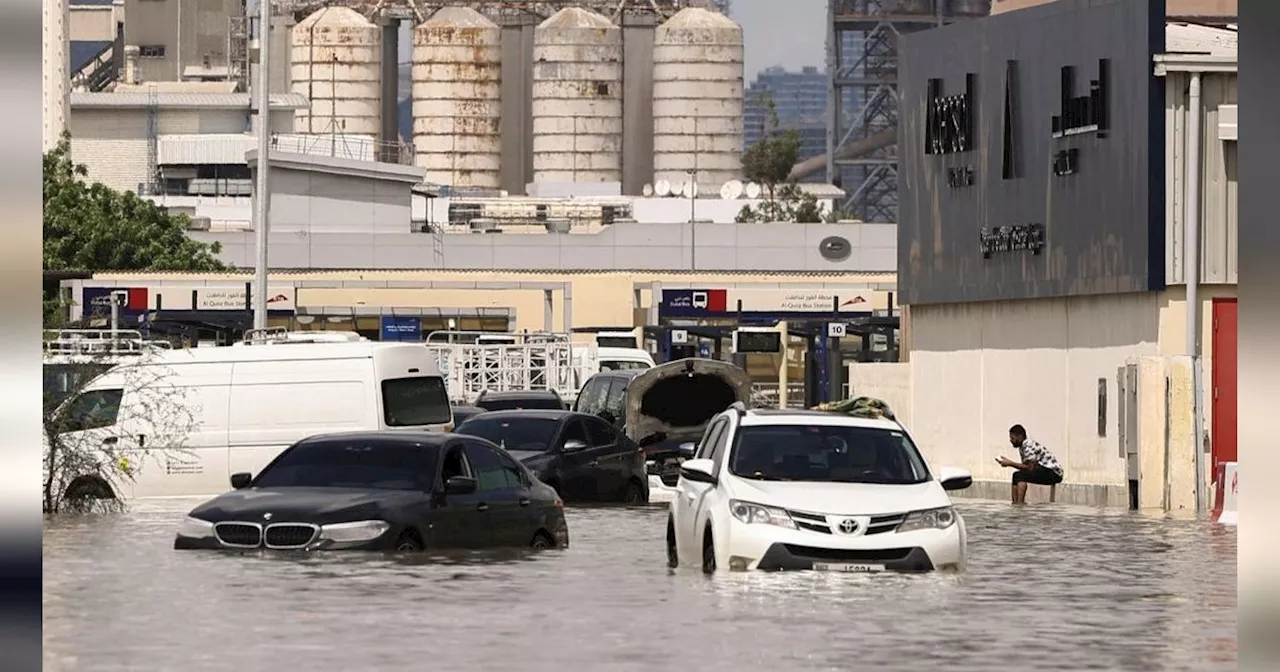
[460, 485]
[573, 446]
[954, 478]
[241, 480]
[688, 449]
[698, 471]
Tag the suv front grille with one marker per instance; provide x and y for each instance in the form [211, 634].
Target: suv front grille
[289, 535]
[239, 535]
[816, 522]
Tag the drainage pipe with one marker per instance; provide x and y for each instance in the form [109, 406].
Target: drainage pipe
[1191, 276]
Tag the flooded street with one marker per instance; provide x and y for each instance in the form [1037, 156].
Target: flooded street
[1048, 588]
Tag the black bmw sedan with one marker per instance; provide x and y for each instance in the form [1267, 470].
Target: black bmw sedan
[382, 491]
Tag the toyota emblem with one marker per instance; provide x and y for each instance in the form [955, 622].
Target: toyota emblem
[267, 516]
[848, 526]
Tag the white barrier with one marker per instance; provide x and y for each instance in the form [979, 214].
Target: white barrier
[1225, 507]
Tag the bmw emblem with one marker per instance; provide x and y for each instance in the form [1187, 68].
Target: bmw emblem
[266, 516]
[848, 526]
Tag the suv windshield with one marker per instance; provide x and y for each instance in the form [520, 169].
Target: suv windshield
[352, 463]
[826, 453]
[531, 434]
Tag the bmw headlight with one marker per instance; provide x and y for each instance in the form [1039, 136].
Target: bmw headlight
[194, 528]
[362, 530]
[756, 513]
[930, 519]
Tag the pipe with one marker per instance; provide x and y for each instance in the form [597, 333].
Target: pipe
[1191, 276]
[261, 195]
[849, 150]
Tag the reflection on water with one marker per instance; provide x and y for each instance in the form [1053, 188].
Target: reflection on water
[1048, 588]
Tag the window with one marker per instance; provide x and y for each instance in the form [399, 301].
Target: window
[1102, 407]
[151, 51]
[516, 477]
[709, 439]
[591, 400]
[455, 464]
[623, 365]
[826, 453]
[573, 431]
[92, 410]
[383, 464]
[514, 433]
[602, 433]
[615, 401]
[411, 402]
[511, 402]
[492, 470]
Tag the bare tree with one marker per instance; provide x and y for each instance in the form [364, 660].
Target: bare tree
[111, 413]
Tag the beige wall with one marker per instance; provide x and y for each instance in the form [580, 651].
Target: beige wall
[1173, 332]
[94, 22]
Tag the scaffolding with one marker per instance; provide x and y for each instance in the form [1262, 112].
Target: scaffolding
[869, 69]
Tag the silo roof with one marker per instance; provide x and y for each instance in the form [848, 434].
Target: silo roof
[576, 17]
[334, 16]
[459, 17]
[697, 17]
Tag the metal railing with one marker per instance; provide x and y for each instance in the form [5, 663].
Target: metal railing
[100, 342]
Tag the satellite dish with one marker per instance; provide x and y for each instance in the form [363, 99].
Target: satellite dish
[753, 190]
[691, 190]
[647, 190]
[731, 190]
[680, 189]
[662, 188]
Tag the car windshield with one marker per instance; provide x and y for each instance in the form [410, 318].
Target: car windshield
[826, 453]
[530, 434]
[516, 403]
[352, 463]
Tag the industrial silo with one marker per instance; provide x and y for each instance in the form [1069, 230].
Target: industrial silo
[697, 98]
[577, 98]
[336, 57]
[457, 97]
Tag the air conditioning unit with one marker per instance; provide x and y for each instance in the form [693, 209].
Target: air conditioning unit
[557, 225]
[199, 224]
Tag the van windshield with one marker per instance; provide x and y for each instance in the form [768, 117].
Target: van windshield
[412, 402]
[623, 365]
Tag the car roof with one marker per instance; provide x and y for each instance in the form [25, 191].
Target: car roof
[773, 416]
[519, 394]
[532, 413]
[408, 436]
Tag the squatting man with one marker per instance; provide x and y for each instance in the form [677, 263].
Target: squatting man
[1036, 464]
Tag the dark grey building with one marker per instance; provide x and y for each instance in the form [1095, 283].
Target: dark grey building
[1031, 161]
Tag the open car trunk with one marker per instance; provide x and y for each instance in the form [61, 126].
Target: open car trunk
[672, 403]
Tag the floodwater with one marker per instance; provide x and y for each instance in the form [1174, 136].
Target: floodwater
[1049, 587]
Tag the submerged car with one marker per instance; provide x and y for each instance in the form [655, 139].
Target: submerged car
[787, 489]
[583, 457]
[382, 491]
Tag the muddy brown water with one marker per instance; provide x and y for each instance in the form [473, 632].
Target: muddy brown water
[1049, 587]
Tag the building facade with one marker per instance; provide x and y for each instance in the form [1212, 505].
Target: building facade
[1041, 240]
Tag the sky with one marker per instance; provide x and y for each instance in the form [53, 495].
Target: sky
[790, 33]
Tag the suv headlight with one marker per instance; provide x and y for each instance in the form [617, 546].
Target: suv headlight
[758, 513]
[363, 530]
[930, 519]
[194, 528]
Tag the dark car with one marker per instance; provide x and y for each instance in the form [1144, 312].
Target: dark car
[382, 491]
[461, 413]
[517, 399]
[583, 457]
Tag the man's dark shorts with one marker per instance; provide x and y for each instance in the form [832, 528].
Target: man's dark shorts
[1039, 476]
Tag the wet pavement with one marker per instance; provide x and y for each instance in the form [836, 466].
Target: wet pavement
[1048, 587]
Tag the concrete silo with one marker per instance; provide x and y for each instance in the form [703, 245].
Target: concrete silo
[336, 63]
[697, 98]
[457, 98]
[577, 98]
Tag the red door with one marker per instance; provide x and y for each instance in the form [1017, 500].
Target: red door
[1224, 381]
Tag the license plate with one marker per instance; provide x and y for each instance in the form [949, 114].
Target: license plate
[843, 567]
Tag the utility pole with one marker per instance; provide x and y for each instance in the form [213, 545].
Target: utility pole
[261, 194]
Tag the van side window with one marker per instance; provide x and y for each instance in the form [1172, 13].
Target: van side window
[411, 402]
[92, 410]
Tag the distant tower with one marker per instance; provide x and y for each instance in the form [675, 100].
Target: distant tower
[54, 66]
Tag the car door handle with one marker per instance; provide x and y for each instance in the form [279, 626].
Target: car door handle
[593, 463]
[111, 441]
[524, 501]
[482, 507]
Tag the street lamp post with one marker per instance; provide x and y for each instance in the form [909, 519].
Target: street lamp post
[261, 197]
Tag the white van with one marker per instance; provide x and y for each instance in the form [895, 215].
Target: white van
[233, 409]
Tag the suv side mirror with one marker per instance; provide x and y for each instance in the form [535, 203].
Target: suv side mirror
[698, 471]
[953, 478]
[573, 446]
[241, 480]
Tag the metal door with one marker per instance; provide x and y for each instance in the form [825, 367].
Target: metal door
[1223, 392]
[1127, 425]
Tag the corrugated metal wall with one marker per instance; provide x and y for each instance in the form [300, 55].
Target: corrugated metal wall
[1219, 224]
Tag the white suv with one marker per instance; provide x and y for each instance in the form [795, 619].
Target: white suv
[787, 489]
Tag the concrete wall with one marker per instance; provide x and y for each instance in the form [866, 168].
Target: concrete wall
[94, 22]
[1219, 221]
[888, 382]
[976, 369]
[189, 30]
[622, 246]
[517, 103]
[319, 202]
[637, 103]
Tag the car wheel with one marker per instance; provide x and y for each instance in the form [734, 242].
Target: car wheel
[88, 488]
[542, 541]
[708, 554]
[634, 494]
[409, 542]
[673, 553]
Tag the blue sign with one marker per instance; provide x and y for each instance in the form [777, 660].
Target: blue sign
[401, 328]
[704, 349]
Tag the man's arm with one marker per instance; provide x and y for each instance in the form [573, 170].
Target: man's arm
[1021, 466]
